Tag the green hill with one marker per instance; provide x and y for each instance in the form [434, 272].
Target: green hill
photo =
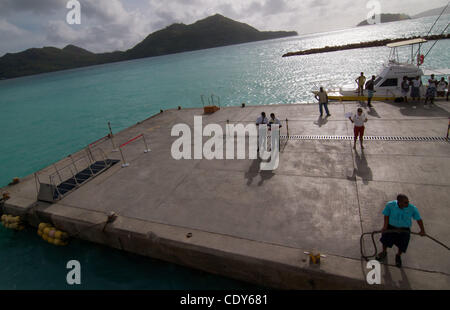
[210, 32]
[213, 31]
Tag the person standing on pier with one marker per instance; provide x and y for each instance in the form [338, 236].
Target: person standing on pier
[441, 87]
[370, 86]
[415, 88]
[262, 119]
[359, 119]
[405, 88]
[431, 91]
[448, 87]
[361, 80]
[397, 216]
[322, 97]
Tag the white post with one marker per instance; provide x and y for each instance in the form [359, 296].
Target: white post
[125, 164]
[147, 149]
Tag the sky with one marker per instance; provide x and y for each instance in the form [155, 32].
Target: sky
[109, 25]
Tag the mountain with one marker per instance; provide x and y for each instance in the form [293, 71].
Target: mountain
[213, 31]
[433, 12]
[387, 18]
[48, 59]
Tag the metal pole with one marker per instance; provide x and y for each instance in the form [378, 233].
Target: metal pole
[112, 138]
[125, 164]
[73, 163]
[57, 172]
[147, 149]
[287, 127]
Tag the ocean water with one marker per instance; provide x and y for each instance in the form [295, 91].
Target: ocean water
[45, 117]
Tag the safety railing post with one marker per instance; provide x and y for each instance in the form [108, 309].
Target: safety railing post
[74, 178]
[73, 163]
[57, 172]
[147, 149]
[36, 181]
[112, 138]
[287, 127]
[125, 164]
[448, 129]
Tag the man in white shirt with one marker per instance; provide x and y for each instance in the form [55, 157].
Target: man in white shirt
[441, 87]
[322, 97]
[262, 119]
[359, 119]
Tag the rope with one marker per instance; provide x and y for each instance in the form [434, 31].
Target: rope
[436, 41]
[438, 18]
[433, 26]
[372, 234]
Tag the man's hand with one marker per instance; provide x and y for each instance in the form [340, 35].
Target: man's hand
[384, 228]
[422, 233]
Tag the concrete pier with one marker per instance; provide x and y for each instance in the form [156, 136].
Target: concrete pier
[227, 217]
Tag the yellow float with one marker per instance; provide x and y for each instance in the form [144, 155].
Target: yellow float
[12, 222]
[52, 235]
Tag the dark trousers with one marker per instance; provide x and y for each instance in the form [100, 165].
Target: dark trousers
[321, 108]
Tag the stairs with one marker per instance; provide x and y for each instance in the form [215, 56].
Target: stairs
[83, 176]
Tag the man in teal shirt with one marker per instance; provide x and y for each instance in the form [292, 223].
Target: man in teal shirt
[397, 216]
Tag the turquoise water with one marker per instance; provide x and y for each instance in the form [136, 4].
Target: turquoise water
[46, 117]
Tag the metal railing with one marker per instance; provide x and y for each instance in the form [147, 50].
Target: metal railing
[210, 100]
[73, 171]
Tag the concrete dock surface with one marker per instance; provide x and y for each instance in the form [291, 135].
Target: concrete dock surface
[227, 217]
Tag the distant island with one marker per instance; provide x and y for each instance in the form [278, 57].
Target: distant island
[433, 12]
[387, 18]
[366, 44]
[213, 31]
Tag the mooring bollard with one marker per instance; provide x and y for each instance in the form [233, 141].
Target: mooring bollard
[112, 138]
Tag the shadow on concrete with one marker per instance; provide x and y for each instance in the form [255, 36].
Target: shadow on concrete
[362, 169]
[321, 121]
[403, 284]
[265, 175]
[373, 112]
[416, 108]
[254, 171]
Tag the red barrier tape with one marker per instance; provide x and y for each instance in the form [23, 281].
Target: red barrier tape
[128, 142]
[99, 140]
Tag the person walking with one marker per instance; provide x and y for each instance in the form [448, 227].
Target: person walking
[397, 216]
[359, 119]
[361, 80]
[322, 97]
[405, 88]
[370, 86]
[415, 88]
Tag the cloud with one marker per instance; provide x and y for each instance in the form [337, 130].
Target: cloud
[32, 6]
[109, 25]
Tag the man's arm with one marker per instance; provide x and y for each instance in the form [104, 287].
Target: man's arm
[422, 228]
[386, 223]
